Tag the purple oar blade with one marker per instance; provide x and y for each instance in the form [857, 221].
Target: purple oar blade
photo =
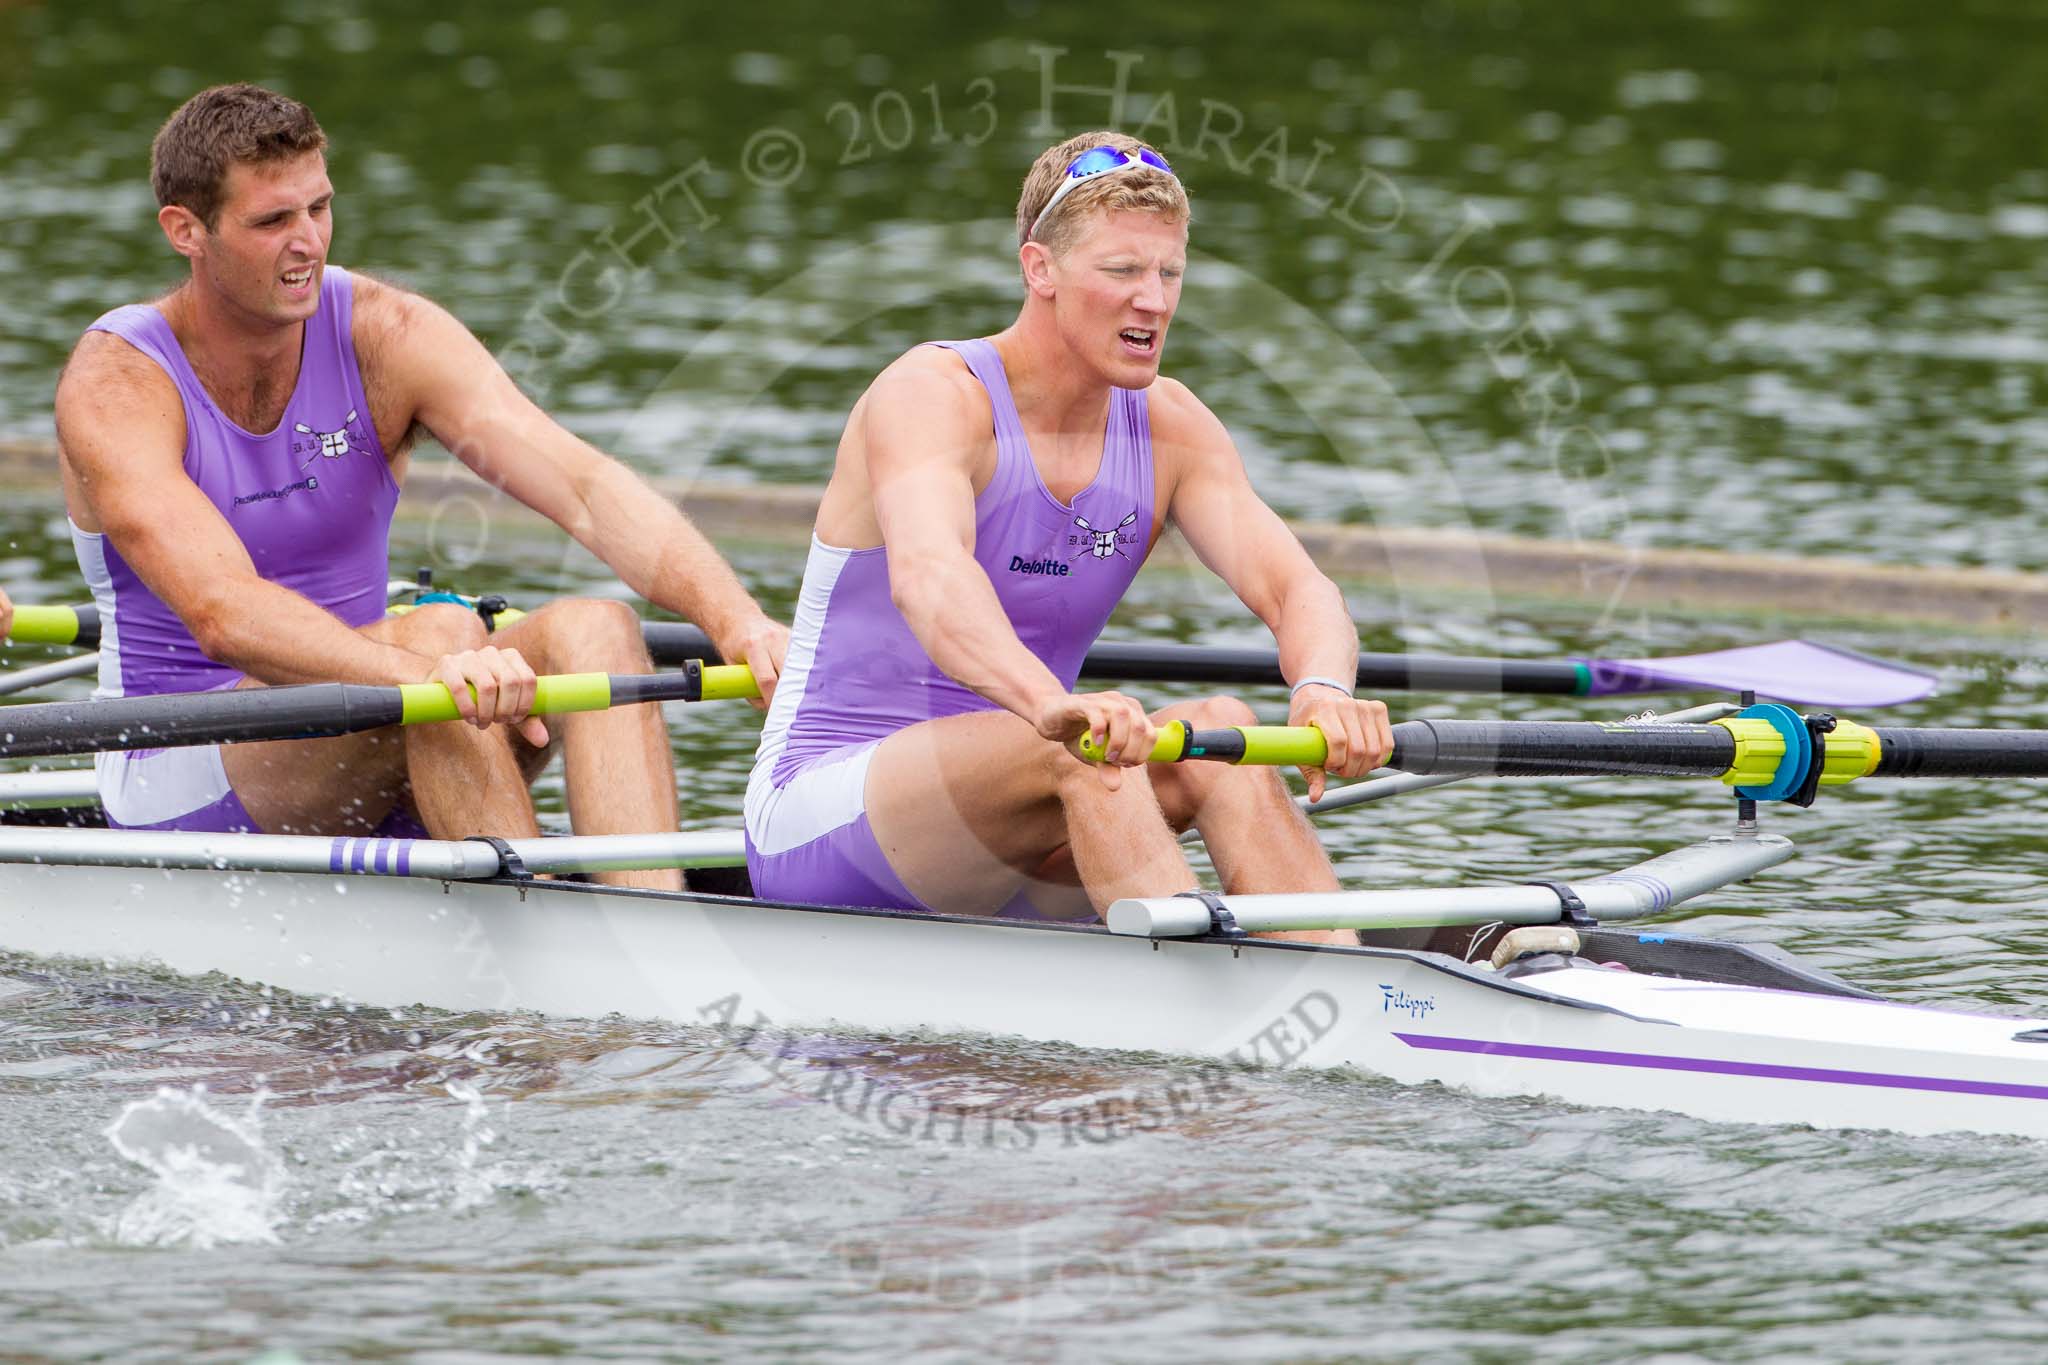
[1790, 670]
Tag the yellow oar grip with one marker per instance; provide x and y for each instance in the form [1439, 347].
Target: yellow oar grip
[1283, 745]
[729, 682]
[1274, 745]
[42, 625]
[1169, 747]
[556, 693]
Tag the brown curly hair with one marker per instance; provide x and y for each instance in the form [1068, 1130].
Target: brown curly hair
[215, 129]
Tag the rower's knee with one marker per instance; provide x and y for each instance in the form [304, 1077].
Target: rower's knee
[1212, 713]
[1079, 786]
[441, 628]
[1185, 790]
[602, 629]
[588, 635]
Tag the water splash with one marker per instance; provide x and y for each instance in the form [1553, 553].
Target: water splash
[216, 1183]
[474, 1186]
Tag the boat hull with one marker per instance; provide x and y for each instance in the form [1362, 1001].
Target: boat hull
[1584, 1035]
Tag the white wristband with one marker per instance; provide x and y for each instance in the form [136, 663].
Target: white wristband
[1318, 682]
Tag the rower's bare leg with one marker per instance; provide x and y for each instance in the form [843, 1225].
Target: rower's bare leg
[1257, 837]
[966, 807]
[465, 781]
[1259, 840]
[347, 784]
[618, 768]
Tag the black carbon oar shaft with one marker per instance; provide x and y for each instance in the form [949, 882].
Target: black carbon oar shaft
[671, 642]
[1960, 753]
[1390, 672]
[1582, 748]
[310, 711]
[1561, 748]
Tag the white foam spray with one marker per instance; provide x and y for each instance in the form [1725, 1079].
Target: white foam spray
[216, 1183]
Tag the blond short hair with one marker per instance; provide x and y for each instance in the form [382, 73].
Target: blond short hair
[1141, 189]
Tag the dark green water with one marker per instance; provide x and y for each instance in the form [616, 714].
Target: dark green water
[1720, 274]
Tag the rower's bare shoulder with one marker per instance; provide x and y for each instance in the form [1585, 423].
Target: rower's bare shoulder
[930, 373]
[396, 329]
[1183, 423]
[385, 305]
[387, 318]
[397, 333]
[110, 391]
[929, 390]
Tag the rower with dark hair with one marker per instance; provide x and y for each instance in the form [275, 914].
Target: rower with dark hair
[990, 503]
[231, 455]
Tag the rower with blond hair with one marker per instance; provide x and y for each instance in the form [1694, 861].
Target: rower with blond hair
[990, 503]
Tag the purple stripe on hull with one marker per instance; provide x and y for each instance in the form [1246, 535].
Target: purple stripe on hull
[371, 855]
[1713, 1065]
[1660, 891]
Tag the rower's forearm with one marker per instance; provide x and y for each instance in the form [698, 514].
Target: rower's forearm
[1315, 633]
[963, 627]
[660, 554]
[276, 636]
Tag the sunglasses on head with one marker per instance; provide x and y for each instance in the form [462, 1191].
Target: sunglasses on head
[1097, 161]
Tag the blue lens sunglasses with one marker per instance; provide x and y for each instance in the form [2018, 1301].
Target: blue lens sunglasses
[1103, 160]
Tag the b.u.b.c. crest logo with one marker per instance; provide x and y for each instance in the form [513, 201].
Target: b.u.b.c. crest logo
[1097, 543]
[331, 445]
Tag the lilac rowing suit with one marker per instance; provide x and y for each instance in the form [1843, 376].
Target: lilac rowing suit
[311, 501]
[855, 673]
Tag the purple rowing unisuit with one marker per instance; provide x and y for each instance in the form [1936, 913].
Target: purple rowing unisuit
[855, 673]
[311, 500]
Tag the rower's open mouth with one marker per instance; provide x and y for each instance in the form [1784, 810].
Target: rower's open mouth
[297, 279]
[1140, 339]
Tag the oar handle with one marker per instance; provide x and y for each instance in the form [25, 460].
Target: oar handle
[318, 710]
[1748, 751]
[728, 682]
[554, 694]
[36, 624]
[557, 693]
[1274, 745]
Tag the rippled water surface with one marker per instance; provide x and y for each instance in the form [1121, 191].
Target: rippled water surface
[1723, 274]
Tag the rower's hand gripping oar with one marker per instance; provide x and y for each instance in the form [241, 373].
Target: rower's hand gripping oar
[556, 693]
[317, 710]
